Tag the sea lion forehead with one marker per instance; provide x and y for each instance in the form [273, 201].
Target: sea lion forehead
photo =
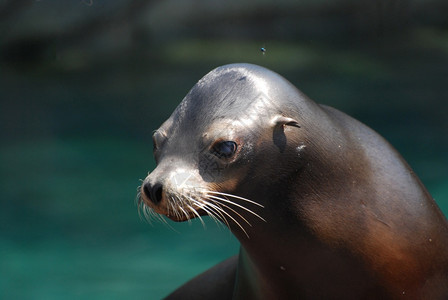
[239, 87]
[231, 91]
[248, 74]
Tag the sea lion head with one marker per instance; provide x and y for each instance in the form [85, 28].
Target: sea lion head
[234, 136]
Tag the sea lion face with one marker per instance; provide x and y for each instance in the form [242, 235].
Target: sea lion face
[211, 148]
[190, 167]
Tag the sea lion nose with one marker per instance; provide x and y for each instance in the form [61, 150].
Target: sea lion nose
[153, 192]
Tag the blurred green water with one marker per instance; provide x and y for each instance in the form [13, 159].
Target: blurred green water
[70, 227]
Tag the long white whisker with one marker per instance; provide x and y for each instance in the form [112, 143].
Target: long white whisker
[171, 210]
[197, 215]
[141, 212]
[231, 209]
[186, 215]
[163, 220]
[141, 207]
[150, 215]
[234, 196]
[210, 213]
[147, 213]
[215, 215]
[236, 204]
[220, 216]
[227, 214]
[182, 209]
[144, 212]
[219, 213]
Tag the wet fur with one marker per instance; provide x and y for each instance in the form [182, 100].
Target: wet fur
[323, 206]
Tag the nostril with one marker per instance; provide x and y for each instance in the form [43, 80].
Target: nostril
[153, 192]
[147, 189]
[156, 193]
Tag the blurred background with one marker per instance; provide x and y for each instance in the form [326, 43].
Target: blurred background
[83, 83]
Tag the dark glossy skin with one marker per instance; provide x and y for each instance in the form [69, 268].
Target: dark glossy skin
[345, 216]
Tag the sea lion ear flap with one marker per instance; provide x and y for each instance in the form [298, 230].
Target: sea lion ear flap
[284, 121]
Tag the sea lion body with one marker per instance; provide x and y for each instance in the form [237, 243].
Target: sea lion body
[334, 211]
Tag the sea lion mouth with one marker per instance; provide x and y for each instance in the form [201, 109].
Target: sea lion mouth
[185, 215]
[177, 218]
[176, 208]
[221, 207]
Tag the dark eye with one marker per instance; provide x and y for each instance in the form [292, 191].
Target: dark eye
[158, 139]
[225, 149]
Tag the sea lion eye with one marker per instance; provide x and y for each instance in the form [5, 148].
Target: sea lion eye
[225, 149]
[158, 138]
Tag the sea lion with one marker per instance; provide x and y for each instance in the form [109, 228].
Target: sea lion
[324, 207]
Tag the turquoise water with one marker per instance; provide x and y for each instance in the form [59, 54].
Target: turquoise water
[70, 228]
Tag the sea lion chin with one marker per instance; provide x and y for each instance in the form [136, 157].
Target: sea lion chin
[324, 207]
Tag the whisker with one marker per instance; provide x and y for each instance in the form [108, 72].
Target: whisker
[182, 209]
[171, 210]
[231, 209]
[234, 196]
[140, 211]
[210, 213]
[138, 199]
[219, 215]
[221, 207]
[140, 205]
[164, 222]
[238, 205]
[146, 214]
[197, 215]
[214, 215]
[227, 214]
[186, 215]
